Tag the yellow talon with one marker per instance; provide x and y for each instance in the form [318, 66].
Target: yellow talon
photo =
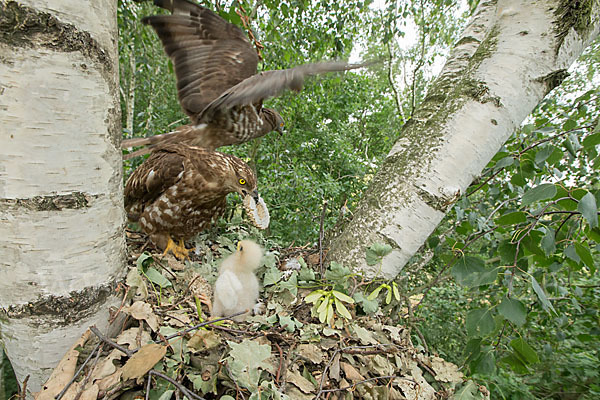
[178, 250]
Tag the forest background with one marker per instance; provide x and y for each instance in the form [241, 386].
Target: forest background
[535, 336]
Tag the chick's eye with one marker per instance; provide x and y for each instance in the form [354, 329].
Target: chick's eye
[242, 181]
[281, 125]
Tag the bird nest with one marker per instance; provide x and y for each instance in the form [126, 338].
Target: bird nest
[166, 346]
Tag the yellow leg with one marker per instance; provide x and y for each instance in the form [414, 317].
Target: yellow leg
[178, 250]
[205, 300]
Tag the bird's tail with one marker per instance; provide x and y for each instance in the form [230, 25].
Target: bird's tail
[227, 288]
[150, 142]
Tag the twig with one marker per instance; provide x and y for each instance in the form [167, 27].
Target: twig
[200, 325]
[185, 391]
[321, 235]
[392, 377]
[87, 360]
[106, 340]
[348, 349]
[278, 374]
[22, 395]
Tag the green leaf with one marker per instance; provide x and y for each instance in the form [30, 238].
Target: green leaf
[542, 192]
[342, 310]
[542, 295]
[375, 292]
[591, 140]
[548, 242]
[571, 253]
[584, 253]
[336, 272]
[512, 218]
[480, 322]
[469, 391]
[156, 277]
[515, 363]
[343, 297]
[525, 351]
[313, 296]
[505, 162]
[388, 297]
[471, 271]
[247, 359]
[376, 252]
[272, 276]
[569, 125]
[396, 291]
[513, 310]
[485, 364]
[323, 305]
[144, 260]
[588, 208]
[368, 306]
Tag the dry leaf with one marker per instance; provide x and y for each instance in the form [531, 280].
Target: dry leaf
[351, 372]
[140, 310]
[445, 371]
[129, 337]
[334, 370]
[310, 351]
[90, 393]
[109, 381]
[300, 382]
[143, 361]
[106, 366]
[204, 340]
[63, 372]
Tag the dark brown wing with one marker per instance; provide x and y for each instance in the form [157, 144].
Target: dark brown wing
[269, 84]
[209, 54]
[160, 171]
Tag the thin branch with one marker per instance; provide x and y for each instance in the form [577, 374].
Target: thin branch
[185, 391]
[87, 360]
[106, 340]
[321, 235]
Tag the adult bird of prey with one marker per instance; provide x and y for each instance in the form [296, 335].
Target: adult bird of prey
[180, 190]
[217, 82]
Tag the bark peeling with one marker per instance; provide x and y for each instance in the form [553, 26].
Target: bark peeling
[64, 310]
[48, 203]
[22, 26]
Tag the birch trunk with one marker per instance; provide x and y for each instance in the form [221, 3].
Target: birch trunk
[509, 57]
[61, 213]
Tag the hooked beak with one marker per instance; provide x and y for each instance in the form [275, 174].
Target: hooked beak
[279, 130]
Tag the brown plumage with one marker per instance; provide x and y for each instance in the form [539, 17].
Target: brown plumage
[217, 82]
[180, 190]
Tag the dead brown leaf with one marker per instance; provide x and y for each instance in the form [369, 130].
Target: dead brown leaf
[300, 382]
[141, 310]
[143, 361]
[351, 372]
[63, 372]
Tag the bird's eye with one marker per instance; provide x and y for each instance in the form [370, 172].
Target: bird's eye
[281, 125]
[242, 181]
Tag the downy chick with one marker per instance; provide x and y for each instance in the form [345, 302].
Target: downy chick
[236, 288]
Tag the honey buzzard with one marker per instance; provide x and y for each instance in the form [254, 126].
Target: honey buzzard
[180, 190]
[217, 82]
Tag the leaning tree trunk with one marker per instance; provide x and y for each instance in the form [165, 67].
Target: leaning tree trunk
[61, 213]
[509, 57]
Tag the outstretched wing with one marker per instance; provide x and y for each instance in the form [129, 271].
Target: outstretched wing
[209, 54]
[269, 84]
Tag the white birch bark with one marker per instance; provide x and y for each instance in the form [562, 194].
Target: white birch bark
[61, 214]
[512, 53]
